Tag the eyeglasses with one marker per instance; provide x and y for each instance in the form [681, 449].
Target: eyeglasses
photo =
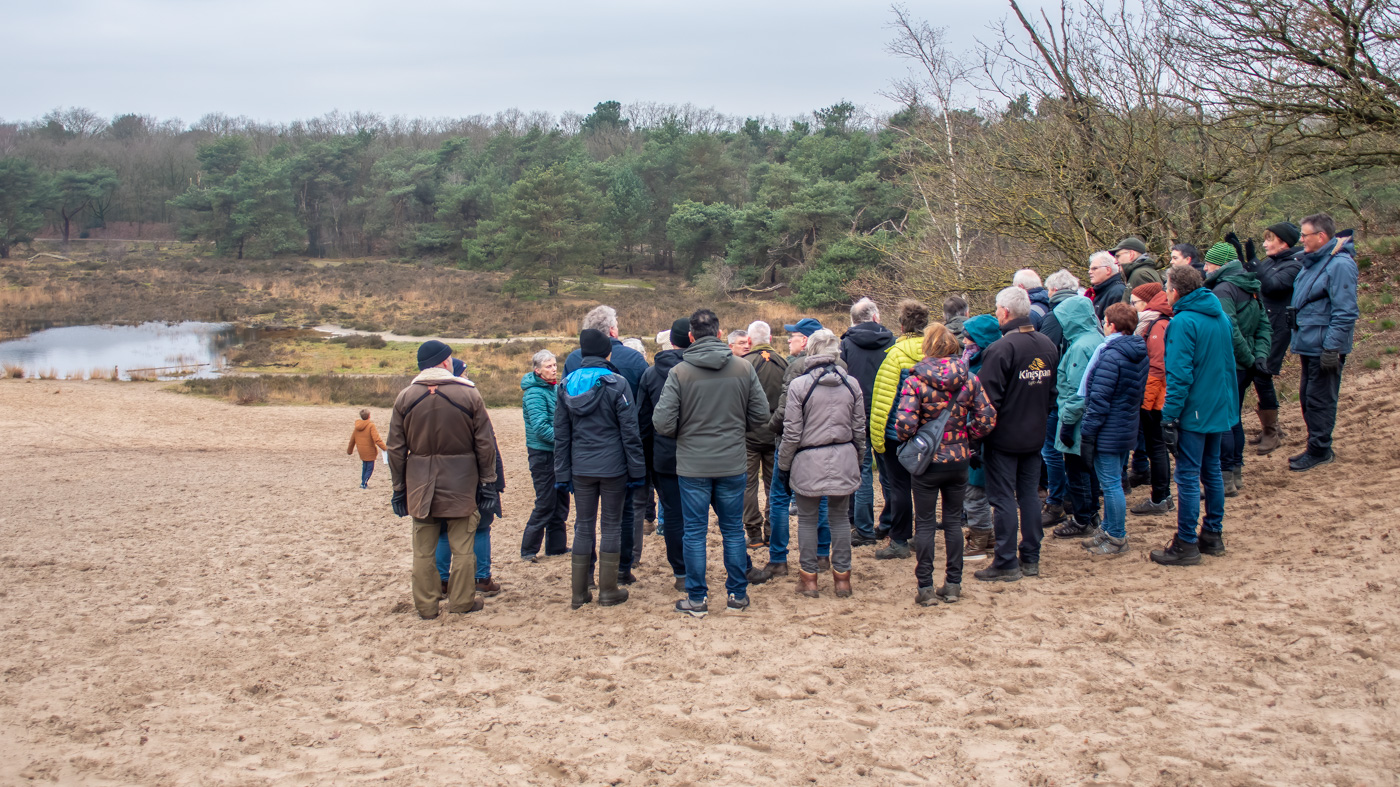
[1314, 232]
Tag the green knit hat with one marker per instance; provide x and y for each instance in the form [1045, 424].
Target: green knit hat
[1222, 254]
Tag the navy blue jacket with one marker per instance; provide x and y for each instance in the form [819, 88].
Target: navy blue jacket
[628, 362]
[1040, 305]
[1115, 389]
[660, 450]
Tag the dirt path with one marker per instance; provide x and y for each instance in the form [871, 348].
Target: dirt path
[194, 592]
[336, 330]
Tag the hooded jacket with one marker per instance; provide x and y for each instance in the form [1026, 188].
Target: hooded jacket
[1115, 389]
[1325, 296]
[1137, 273]
[771, 368]
[906, 352]
[1082, 337]
[1040, 305]
[1018, 373]
[797, 366]
[1276, 273]
[823, 430]
[1155, 394]
[710, 400]
[1201, 384]
[935, 385]
[863, 348]
[1050, 326]
[983, 330]
[441, 445]
[365, 437]
[1238, 292]
[595, 425]
[628, 362]
[1108, 292]
[660, 450]
[537, 404]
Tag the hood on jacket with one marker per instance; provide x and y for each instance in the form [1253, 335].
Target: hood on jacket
[1201, 301]
[1061, 296]
[1160, 304]
[360, 426]
[1328, 249]
[1076, 316]
[1039, 295]
[1143, 261]
[943, 374]
[1132, 346]
[666, 360]
[869, 336]
[583, 387]
[532, 380]
[709, 353]
[814, 370]
[1233, 272]
[982, 330]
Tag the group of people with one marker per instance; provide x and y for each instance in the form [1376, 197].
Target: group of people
[1084, 393]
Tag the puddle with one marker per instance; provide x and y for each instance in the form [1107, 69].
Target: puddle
[153, 350]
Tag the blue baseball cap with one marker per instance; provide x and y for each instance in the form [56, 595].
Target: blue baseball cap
[805, 326]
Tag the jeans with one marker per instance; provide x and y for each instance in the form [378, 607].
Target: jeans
[901, 495]
[1013, 487]
[726, 496]
[808, 519]
[1142, 465]
[1083, 488]
[548, 521]
[1318, 392]
[602, 501]
[779, 517]
[1197, 469]
[951, 481]
[1109, 469]
[1159, 461]
[481, 548]
[668, 496]
[864, 502]
[1058, 487]
[366, 470]
[626, 529]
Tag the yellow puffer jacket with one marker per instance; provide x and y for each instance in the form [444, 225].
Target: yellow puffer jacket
[906, 352]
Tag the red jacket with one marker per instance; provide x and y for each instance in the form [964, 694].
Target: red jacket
[1155, 394]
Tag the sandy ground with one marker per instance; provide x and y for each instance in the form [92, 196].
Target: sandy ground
[192, 592]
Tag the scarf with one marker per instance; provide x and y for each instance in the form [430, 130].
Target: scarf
[1145, 320]
[1093, 362]
[436, 375]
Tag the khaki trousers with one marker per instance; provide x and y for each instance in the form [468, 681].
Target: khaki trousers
[461, 580]
[759, 466]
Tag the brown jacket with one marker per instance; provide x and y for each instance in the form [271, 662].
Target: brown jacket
[366, 437]
[441, 445]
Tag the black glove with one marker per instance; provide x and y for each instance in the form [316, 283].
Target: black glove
[1171, 437]
[1067, 435]
[783, 476]
[488, 500]
[1330, 361]
[1234, 240]
[1261, 367]
[636, 483]
[1087, 451]
[1249, 250]
[974, 460]
[399, 502]
[565, 486]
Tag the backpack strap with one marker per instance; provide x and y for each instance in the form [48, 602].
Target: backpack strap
[432, 391]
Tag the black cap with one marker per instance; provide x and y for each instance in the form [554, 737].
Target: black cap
[594, 343]
[680, 333]
[1287, 232]
[432, 353]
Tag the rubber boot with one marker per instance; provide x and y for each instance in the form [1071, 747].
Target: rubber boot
[1262, 428]
[609, 594]
[841, 583]
[807, 584]
[580, 578]
[1270, 438]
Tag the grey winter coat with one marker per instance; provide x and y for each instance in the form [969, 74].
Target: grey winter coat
[710, 400]
[824, 441]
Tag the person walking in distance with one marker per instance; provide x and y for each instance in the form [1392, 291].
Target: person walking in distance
[1018, 373]
[822, 447]
[941, 384]
[1082, 339]
[907, 351]
[442, 457]
[863, 348]
[1154, 317]
[660, 450]
[547, 522]
[597, 457]
[365, 439]
[1277, 271]
[759, 443]
[710, 400]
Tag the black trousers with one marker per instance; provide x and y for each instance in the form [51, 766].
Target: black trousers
[599, 500]
[900, 503]
[551, 512]
[1013, 490]
[951, 481]
[1157, 457]
[668, 495]
[1318, 392]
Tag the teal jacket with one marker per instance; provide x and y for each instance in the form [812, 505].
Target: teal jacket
[1202, 394]
[1082, 337]
[538, 403]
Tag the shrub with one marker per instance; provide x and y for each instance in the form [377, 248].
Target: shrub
[1392, 350]
[1372, 364]
[1387, 325]
[372, 341]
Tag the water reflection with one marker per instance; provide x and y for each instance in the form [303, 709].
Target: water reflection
[153, 350]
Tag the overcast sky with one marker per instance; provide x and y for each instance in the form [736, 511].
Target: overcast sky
[280, 60]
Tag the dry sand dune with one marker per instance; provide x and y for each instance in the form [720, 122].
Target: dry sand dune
[192, 592]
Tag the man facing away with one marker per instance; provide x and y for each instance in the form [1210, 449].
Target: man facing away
[863, 348]
[771, 366]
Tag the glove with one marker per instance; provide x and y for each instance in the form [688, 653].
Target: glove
[636, 483]
[1170, 436]
[1087, 451]
[1067, 435]
[974, 460]
[488, 500]
[1234, 240]
[1261, 367]
[1330, 361]
[783, 476]
[566, 486]
[399, 502]
[1249, 250]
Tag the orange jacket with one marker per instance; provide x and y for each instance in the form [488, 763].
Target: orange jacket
[1155, 395]
[365, 437]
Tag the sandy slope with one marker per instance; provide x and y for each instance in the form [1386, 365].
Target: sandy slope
[196, 593]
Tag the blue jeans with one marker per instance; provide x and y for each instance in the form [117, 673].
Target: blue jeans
[865, 495]
[1058, 487]
[780, 514]
[1109, 469]
[481, 547]
[1198, 467]
[366, 470]
[726, 496]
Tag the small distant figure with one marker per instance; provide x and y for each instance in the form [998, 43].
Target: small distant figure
[366, 439]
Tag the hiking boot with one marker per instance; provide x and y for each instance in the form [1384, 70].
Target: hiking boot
[949, 593]
[807, 584]
[841, 583]
[1256, 438]
[529, 559]
[1212, 544]
[990, 574]
[477, 604]
[1270, 437]
[927, 597]
[1177, 553]
[757, 576]
[488, 587]
[756, 541]
[626, 577]
[824, 563]
[1051, 515]
[858, 540]
[1228, 476]
[649, 527]
[1149, 508]
[1092, 541]
[695, 609]
[1074, 528]
[444, 588]
[1239, 478]
[609, 594]
[894, 551]
[1030, 569]
[881, 533]
[737, 603]
[979, 543]
[1138, 479]
[579, 582]
[1109, 546]
[1308, 461]
[679, 584]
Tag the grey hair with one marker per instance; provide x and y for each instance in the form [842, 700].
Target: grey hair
[601, 318]
[1014, 300]
[823, 342]
[761, 332]
[540, 357]
[864, 310]
[1026, 279]
[1062, 280]
[1105, 258]
[635, 344]
[735, 336]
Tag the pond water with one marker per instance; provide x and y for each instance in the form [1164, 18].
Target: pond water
[153, 350]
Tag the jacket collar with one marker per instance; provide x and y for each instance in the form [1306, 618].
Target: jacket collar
[1015, 324]
[436, 375]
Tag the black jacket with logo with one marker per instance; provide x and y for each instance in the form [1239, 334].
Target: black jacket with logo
[1018, 373]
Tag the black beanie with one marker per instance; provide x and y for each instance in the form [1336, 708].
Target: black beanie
[432, 353]
[594, 344]
[680, 333]
[1286, 231]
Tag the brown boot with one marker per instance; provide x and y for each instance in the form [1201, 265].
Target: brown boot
[807, 584]
[1270, 438]
[1256, 438]
[980, 543]
[488, 587]
[841, 582]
